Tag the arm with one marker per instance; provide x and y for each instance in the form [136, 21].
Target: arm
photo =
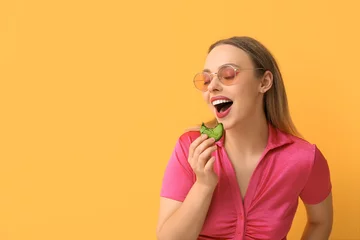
[320, 220]
[317, 198]
[184, 203]
[184, 220]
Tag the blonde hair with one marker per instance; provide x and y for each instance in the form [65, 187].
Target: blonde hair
[275, 99]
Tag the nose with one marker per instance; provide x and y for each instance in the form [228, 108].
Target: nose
[214, 84]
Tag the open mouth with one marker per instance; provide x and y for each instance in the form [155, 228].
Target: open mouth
[222, 105]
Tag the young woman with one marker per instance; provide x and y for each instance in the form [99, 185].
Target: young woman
[246, 185]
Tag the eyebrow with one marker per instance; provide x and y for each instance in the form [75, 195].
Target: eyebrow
[232, 64]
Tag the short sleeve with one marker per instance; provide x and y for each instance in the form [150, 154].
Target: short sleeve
[178, 177]
[318, 185]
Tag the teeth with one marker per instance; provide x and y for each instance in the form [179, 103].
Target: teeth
[216, 102]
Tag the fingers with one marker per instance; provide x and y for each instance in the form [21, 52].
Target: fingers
[196, 143]
[205, 156]
[200, 148]
[201, 161]
[209, 166]
[200, 152]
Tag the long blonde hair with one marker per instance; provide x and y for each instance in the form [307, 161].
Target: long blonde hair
[275, 99]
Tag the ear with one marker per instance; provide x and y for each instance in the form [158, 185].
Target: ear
[266, 82]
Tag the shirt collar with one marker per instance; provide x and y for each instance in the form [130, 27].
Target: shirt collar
[277, 138]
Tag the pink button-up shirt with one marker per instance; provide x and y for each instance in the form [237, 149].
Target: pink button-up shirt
[288, 169]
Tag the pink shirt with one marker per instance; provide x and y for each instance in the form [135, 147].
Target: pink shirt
[288, 169]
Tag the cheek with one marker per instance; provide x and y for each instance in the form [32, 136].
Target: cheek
[247, 88]
[246, 92]
[252, 84]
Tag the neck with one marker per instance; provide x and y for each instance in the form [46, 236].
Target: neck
[248, 138]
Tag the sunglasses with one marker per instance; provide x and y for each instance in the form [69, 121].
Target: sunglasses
[227, 74]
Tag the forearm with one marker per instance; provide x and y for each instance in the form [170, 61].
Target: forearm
[187, 222]
[316, 231]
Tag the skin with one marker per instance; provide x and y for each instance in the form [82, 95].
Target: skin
[245, 126]
[246, 123]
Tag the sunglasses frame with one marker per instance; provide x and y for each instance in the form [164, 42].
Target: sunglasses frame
[211, 74]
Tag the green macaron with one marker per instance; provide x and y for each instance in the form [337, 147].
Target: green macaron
[215, 132]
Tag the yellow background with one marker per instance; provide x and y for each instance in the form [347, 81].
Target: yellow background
[94, 94]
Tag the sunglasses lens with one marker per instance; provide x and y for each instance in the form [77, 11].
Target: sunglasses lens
[227, 75]
[201, 81]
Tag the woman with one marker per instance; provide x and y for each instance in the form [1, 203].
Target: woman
[247, 184]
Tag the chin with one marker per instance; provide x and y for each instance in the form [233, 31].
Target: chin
[230, 123]
[227, 123]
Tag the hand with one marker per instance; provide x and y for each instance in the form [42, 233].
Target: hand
[202, 162]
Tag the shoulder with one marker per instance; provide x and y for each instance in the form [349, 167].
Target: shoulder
[187, 137]
[302, 146]
[292, 148]
[184, 140]
[305, 164]
[302, 151]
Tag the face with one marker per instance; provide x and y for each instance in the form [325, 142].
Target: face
[242, 100]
